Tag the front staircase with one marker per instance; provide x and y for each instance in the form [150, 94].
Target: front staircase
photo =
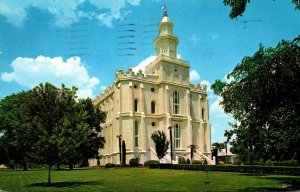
[199, 155]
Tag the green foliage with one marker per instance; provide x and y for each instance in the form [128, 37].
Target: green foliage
[147, 163]
[197, 162]
[292, 162]
[238, 7]
[266, 128]
[47, 125]
[237, 160]
[181, 160]
[161, 143]
[215, 148]
[134, 162]
[109, 165]
[261, 162]
[269, 163]
[188, 161]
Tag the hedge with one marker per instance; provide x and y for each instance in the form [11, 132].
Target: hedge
[147, 163]
[232, 168]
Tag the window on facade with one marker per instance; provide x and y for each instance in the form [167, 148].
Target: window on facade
[152, 106]
[202, 112]
[135, 105]
[136, 133]
[177, 136]
[176, 102]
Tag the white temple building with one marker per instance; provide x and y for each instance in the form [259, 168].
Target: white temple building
[137, 104]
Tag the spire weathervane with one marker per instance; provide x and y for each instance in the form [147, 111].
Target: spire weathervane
[165, 10]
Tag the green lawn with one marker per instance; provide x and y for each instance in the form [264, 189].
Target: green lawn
[141, 179]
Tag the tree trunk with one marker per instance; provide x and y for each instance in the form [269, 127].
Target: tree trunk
[49, 174]
[57, 165]
[124, 153]
[70, 165]
[25, 167]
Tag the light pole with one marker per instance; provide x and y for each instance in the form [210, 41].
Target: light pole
[171, 143]
[120, 138]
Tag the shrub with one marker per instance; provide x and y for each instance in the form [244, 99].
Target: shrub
[134, 162]
[261, 162]
[292, 162]
[237, 160]
[188, 161]
[197, 162]
[181, 160]
[147, 163]
[109, 165]
[269, 163]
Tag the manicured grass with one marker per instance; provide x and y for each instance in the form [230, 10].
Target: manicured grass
[141, 179]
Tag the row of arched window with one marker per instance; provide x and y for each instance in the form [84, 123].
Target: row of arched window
[175, 105]
[136, 102]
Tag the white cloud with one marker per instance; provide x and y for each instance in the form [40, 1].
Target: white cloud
[194, 75]
[66, 12]
[207, 83]
[217, 110]
[29, 72]
[194, 39]
[142, 65]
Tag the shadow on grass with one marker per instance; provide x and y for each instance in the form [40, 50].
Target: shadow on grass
[65, 184]
[291, 184]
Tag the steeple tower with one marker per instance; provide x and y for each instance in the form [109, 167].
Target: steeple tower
[166, 43]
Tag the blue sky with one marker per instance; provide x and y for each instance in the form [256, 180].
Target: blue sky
[84, 42]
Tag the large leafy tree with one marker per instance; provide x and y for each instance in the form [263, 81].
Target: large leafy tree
[263, 95]
[17, 138]
[95, 118]
[48, 125]
[238, 7]
[161, 143]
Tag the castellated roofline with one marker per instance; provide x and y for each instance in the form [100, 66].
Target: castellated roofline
[130, 74]
[107, 92]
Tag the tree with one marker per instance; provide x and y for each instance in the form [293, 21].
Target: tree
[15, 125]
[64, 127]
[123, 153]
[161, 143]
[94, 118]
[262, 94]
[48, 125]
[238, 7]
[217, 147]
[3, 151]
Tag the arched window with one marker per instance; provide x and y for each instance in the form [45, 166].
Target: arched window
[177, 136]
[152, 106]
[176, 103]
[136, 133]
[203, 113]
[135, 105]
